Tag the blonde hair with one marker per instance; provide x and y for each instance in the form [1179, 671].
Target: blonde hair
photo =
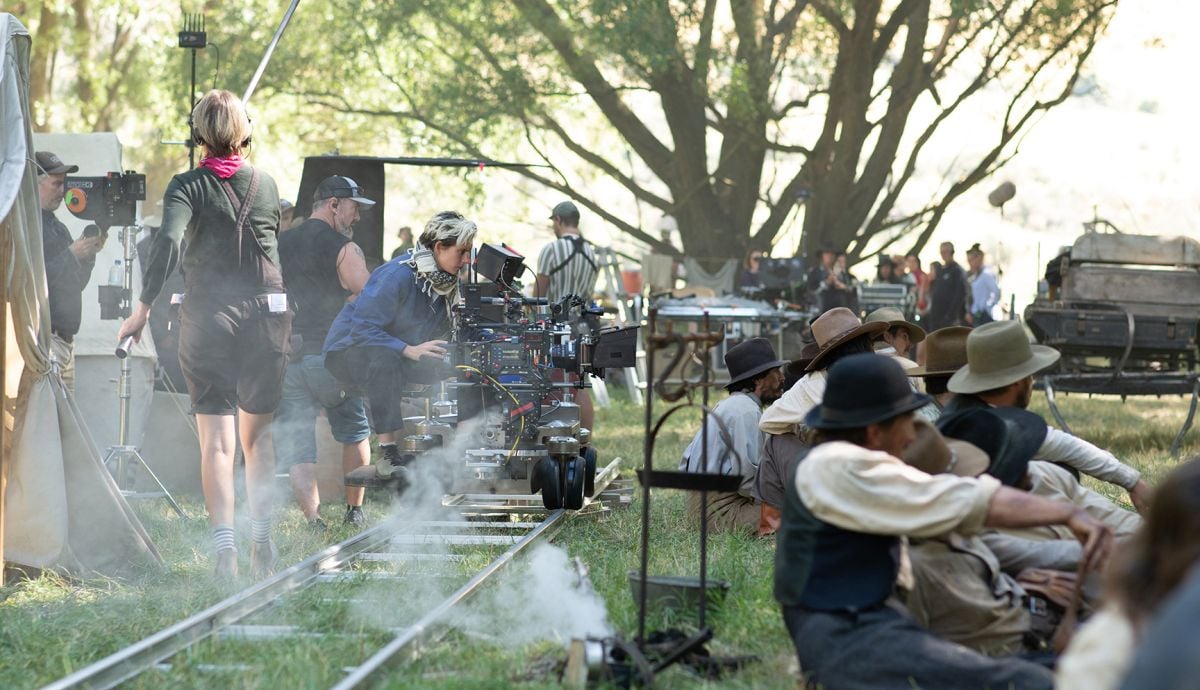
[448, 227]
[221, 124]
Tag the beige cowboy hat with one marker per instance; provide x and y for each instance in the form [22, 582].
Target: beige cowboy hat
[835, 327]
[894, 317]
[945, 352]
[999, 354]
[933, 453]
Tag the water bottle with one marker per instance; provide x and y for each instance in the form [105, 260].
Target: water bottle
[116, 274]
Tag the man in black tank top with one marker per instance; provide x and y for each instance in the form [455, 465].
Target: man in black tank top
[323, 269]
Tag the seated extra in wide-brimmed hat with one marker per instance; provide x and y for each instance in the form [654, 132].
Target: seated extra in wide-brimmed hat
[835, 327]
[1009, 435]
[999, 354]
[894, 317]
[750, 358]
[864, 389]
[945, 352]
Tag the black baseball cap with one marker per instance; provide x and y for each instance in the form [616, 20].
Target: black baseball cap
[51, 164]
[341, 187]
[564, 209]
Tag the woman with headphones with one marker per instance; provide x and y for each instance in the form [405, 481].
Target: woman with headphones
[235, 320]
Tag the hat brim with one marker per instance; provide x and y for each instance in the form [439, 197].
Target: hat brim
[872, 328]
[756, 371]
[63, 169]
[967, 459]
[816, 418]
[922, 371]
[966, 381]
[360, 200]
[915, 333]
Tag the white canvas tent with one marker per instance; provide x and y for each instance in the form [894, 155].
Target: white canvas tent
[62, 510]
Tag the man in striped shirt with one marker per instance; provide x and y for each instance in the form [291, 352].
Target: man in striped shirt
[568, 266]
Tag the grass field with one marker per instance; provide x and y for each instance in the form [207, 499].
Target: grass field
[50, 626]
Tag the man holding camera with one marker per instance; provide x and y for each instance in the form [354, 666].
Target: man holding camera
[69, 263]
[323, 269]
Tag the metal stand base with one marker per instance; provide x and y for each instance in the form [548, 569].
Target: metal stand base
[116, 460]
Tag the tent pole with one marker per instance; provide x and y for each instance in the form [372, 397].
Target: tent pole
[6, 243]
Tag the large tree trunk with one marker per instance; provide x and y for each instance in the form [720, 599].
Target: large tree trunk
[41, 68]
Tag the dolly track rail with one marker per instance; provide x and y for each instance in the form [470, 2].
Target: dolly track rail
[145, 654]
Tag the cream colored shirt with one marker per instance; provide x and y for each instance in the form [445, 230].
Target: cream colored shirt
[786, 414]
[1100, 653]
[1095, 462]
[1054, 482]
[867, 491]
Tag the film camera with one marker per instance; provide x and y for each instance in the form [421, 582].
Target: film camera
[106, 201]
[516, 361]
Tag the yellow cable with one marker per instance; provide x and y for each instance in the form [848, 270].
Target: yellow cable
[504, 388]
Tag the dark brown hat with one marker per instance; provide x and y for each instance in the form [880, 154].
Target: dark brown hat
[750, 358]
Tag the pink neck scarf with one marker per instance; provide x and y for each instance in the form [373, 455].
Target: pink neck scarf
[223, 168]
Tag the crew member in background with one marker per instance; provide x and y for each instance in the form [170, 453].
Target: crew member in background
[69, 263]
[406, 241]
[403, 315]
[568, 266]
[323, 269]
[947, 293]
[985, 291]
[734, 441]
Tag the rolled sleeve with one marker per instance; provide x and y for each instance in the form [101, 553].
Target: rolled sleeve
[1075, 452]
[872, 492]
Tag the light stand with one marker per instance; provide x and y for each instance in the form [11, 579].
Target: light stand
[123, 456]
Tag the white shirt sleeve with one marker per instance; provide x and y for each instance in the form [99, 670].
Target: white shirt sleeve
[869, 491]
[1095, 462]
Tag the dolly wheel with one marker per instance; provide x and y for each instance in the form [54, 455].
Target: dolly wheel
[547, 472]
[589, 472]
[573, 495]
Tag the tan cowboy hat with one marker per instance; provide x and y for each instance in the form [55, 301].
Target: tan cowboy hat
[835, 327]
[945, 352]
[999, 354]
[933, 453]
[894, 317]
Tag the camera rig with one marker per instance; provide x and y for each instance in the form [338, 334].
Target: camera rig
[106, 201]
[515, 362]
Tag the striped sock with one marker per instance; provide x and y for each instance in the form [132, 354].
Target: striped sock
[223, 538]
[260, 530]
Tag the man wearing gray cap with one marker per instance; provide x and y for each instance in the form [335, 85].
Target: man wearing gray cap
[323, 269]
[69, 263]
[567, 266]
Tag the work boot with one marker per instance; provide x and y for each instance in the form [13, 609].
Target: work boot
[263, 558]
[226, 566]
[318, 526]
[354, 516]
[389, 461]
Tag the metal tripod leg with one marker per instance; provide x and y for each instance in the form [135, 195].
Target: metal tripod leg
[122, 454]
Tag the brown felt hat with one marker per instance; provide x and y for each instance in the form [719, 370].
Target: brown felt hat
[933, 453]
[998, 355]
[894, 317]
[945, 352]
[797, 366]
[837, 326]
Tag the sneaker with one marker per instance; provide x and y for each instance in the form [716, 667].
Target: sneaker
[226, 564]
[317, 526]
[389, 460]
[263, 558]
[354, 516]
